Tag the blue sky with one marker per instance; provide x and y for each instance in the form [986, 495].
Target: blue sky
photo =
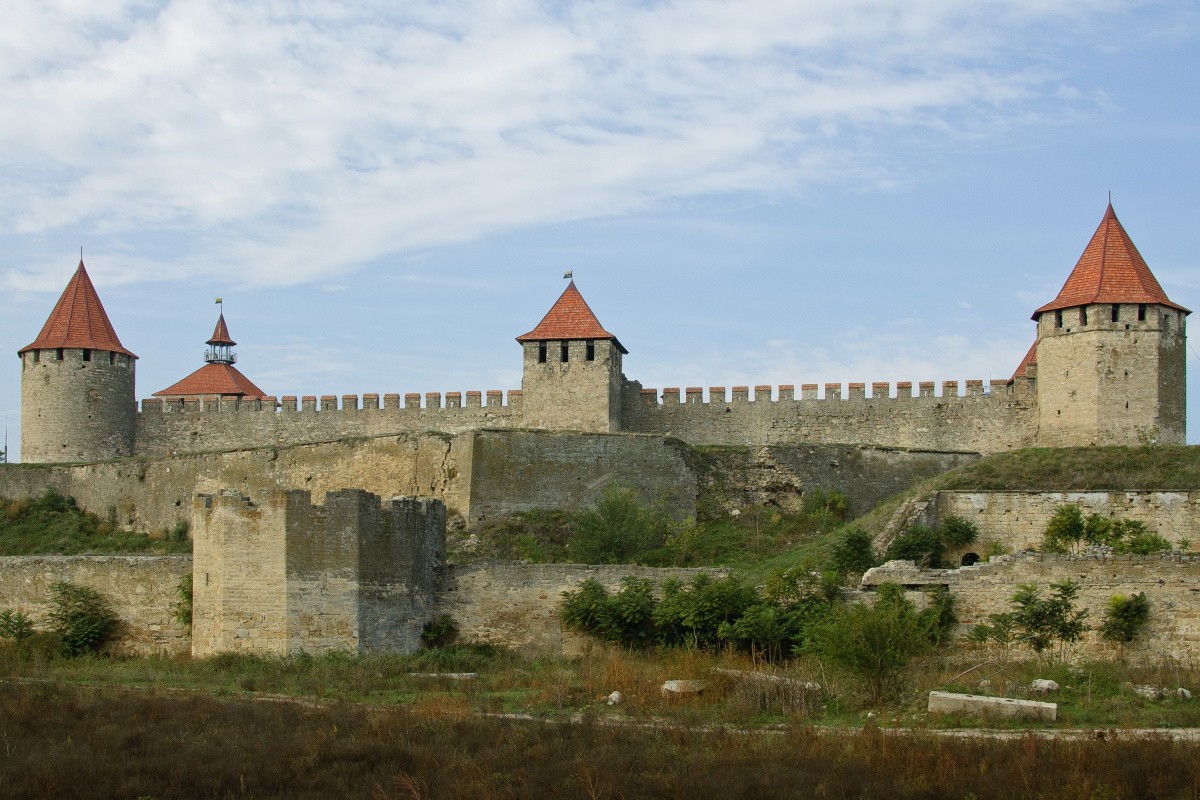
[385, 194]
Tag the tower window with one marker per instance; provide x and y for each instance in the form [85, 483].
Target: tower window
[564, 350]
[58, 354]
[541, 352]
[1166, 322]
[37, 356]
[87, 354]
[1083, 315]
[112, 358]
[1141, 312]
[1116, 312]
[1058, 318]
[591, 350]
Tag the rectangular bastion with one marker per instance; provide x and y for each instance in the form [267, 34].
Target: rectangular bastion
[277, 575]
[984, 419]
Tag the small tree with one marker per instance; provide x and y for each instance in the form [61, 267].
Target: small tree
[1036, 621]
[618, 529]
[1125, 617]
[919, 544]
[1064, 531]
[81, 617]
[876, 643]
[15, 625]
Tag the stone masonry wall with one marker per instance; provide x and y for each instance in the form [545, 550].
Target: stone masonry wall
[1011, 521]
[140, 589]
[516, 605]
[74, 409]
[1170, 581]
[1003, 419]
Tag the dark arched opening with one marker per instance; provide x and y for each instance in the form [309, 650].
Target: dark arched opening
[969, 559]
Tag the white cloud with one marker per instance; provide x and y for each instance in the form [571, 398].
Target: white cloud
[288, 142]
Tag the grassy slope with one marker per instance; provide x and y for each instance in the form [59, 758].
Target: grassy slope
[53, 525]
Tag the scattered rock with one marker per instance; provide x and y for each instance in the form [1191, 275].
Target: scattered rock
[449, 676]
[741, 674]
[871, 715]
[1043, 686]
[977, 705]
[682, 688]
[615, 698]
[1183, 694]
[1148, 692]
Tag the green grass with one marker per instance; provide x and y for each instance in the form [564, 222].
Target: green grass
[1164, 467]
[53, 524]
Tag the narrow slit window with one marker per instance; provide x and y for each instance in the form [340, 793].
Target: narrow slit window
[37, 356]
[58, 354]
[564, 351]
[1083, 315]
[1141, 312]
[591, 350]
[1058, 318]
[1116, 312]
[112, 358]
[542, 353]
[87, 354]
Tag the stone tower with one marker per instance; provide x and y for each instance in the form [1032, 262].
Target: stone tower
[1110, 351]
[572, 370]
[77, 393]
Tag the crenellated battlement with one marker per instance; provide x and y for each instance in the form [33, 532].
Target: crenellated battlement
[293, 404]
[671, 397]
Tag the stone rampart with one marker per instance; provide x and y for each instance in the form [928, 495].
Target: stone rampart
[164, 427]
[140, 589]
[983, 421]
[516, 605]
[1170, 581]
[1011, 521]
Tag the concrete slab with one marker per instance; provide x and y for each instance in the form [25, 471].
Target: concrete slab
[981, 705]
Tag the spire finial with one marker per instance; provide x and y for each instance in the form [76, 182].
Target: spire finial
[569, 275]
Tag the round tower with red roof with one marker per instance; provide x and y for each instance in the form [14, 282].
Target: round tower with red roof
[77, 383]
[1110, 360]
[572, 370]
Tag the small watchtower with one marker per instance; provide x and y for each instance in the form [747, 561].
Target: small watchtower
[572, 369]
[218, 377]
[1111, 351]
[77, 383]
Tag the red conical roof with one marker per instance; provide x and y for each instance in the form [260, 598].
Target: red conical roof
[1111, 270]
[221, 333]
[569, 318]
[1028, 361]
[213, 379]
[78, 321]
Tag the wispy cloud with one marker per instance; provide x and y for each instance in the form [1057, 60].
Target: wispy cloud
[293, 141]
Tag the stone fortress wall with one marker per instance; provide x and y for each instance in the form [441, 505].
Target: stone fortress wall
[1170, 581]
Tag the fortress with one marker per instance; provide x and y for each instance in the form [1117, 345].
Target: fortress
[1107, 367]
[275, 573]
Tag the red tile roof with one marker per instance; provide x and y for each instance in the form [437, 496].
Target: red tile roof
[569, 318]
[1111, 270]
[213, 379]
[78, 321]
[1029, 360]
[221, 333]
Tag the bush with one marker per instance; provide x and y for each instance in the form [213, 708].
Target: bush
[1124, 618]
[626, 617]
[876, 643]
[15, 625]
[183, 601]
[1068, 531]
[691, 614]
[853, 553]
[919, 544]
[81, 617]
[439, 632]
[956, 532]
[619, 529]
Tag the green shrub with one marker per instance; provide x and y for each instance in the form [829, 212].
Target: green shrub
[1141, 542]
[691, 614]
[618, 529]
[825, 507]
[875, 642]
[1064, 531]
[1068, 531]
[1125, 617]
[626, 617]
[938, 617]
[956, 532]
[183, 601]
[15, 625]
[81, 617]
[439, 632]
[853, 553]
[919, 544]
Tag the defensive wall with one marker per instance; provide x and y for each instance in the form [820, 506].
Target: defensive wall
[1010, 521]
[981, 420]
[1170, 581]
[484, 474]
[977, 419]
[140, 589]
[517, 605]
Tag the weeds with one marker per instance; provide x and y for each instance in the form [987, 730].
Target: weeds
[52, 523]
